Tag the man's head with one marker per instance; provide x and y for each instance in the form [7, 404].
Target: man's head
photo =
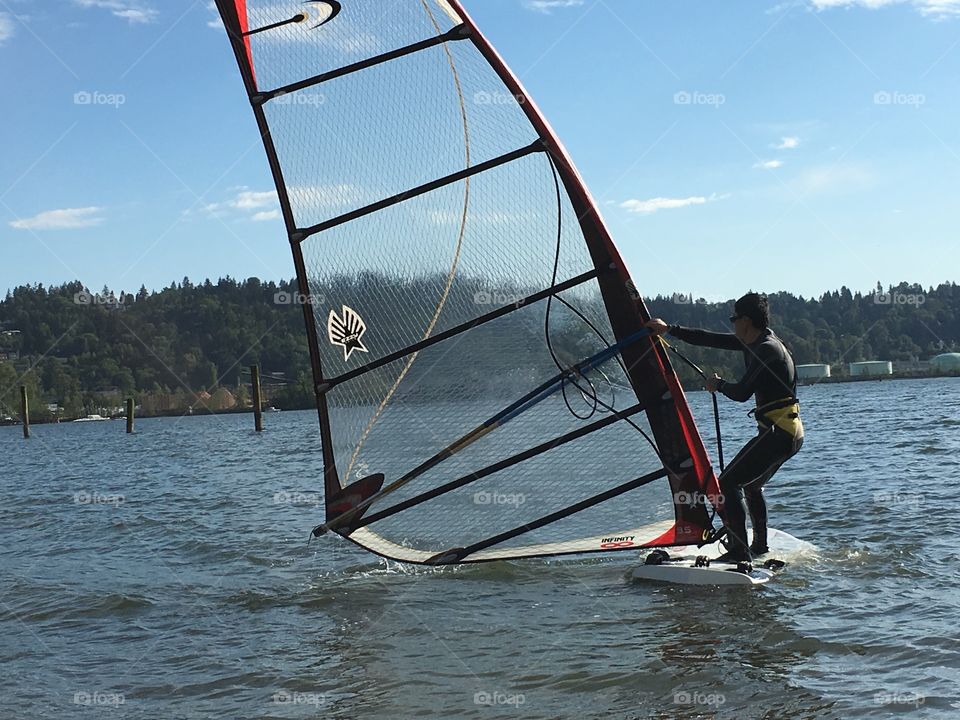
[751, 315]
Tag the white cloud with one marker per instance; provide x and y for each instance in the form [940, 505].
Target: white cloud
[253, 204]
[546, 6]
[835, 179]
[938, 9]
[261, 206]
[249, 200]
[215, 22]
[325, 196]
[788, 143]
[130, 10]
[648, 207]
[66, 219]
[769, 164]
[6, 26]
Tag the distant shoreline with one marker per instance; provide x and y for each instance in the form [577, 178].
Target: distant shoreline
[249, 410]
[876, 378]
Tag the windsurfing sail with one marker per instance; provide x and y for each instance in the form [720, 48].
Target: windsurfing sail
[485, 385]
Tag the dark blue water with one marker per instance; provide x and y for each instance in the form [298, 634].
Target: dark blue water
[168, 575]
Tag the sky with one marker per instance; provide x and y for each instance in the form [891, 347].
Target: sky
[801, 145]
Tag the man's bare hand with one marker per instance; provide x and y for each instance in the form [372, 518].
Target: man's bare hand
[711, 382]
[657, 326]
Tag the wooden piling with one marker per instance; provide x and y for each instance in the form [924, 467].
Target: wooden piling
[257, 403]
[25, 411]
[129, 416]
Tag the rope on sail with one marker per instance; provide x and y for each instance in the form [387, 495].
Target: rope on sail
[456, 255]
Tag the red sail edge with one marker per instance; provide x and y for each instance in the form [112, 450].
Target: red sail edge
[244, 21]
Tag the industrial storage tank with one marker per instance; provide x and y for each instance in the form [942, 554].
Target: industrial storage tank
[871, 368]
[813, 372]
[947, 362]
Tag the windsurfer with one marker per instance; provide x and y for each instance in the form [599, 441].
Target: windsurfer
[770, 376]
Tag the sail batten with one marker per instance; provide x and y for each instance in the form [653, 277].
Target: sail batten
[302, 234]
[457, 33]
[455, 262]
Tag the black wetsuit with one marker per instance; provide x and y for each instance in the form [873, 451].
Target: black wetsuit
[771, 377]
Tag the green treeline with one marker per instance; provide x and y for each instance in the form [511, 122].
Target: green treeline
[904, 324]
[84, 351]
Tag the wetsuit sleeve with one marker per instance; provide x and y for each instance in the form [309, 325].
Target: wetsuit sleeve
[743, 390]
[705, 338]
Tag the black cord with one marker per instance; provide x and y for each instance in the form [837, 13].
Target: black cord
[592, 392]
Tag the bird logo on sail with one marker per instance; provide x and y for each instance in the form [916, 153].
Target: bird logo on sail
[347, 331]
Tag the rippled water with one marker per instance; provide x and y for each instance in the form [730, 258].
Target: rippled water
[158, 576]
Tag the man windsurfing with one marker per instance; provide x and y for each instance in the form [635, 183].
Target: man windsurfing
[771, 377]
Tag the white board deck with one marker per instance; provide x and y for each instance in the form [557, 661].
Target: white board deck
[680, 568]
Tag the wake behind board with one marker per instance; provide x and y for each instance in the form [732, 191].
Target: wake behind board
[683, 566]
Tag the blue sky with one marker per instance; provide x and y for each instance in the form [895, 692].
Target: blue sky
[797, 146]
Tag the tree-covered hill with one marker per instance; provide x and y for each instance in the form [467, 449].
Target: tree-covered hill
[75, 348]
